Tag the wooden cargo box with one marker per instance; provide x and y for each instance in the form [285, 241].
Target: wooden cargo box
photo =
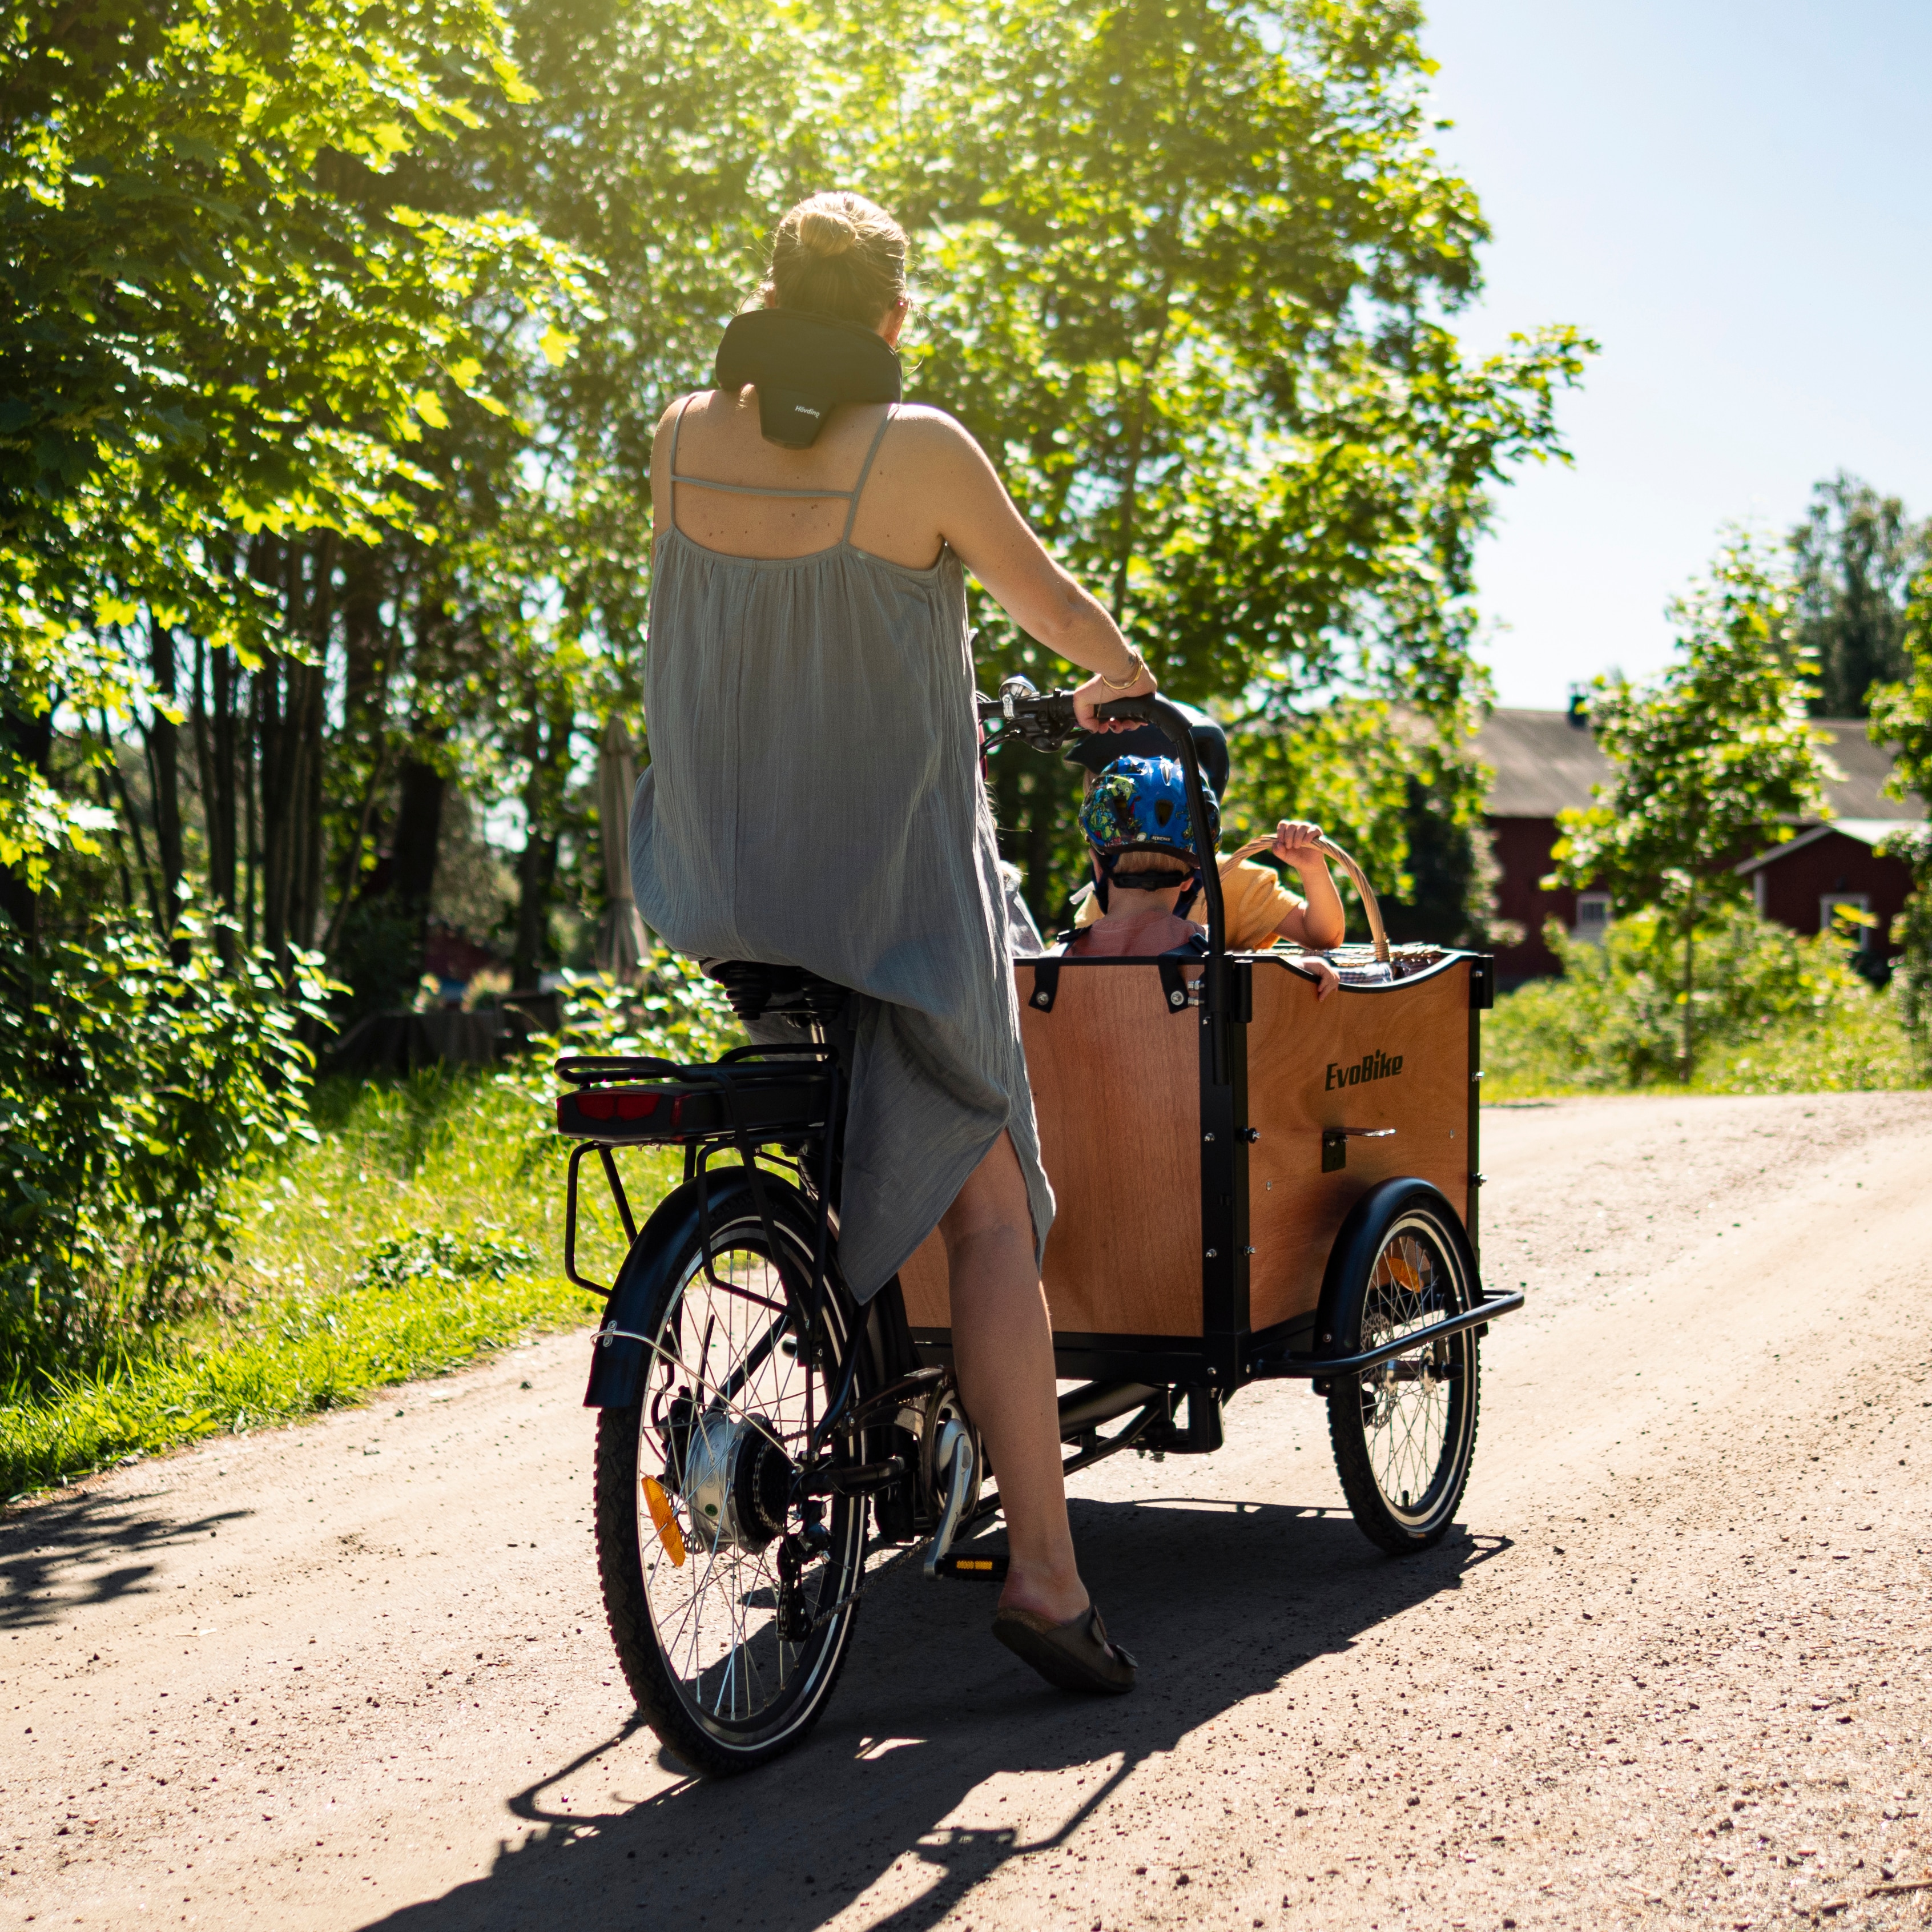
[1167, 1243]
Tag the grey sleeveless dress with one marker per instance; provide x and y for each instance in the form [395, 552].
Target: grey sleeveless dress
[814, 800]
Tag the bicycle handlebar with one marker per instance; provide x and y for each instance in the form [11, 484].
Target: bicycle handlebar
[1045, 721]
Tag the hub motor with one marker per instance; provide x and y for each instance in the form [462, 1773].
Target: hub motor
[737, 1481]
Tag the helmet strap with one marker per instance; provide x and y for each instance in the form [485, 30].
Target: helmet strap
[1143, 882]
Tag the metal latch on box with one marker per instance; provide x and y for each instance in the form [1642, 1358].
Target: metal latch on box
[1335, 1144]
[1179, 991]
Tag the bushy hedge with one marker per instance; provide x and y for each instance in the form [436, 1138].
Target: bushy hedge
[1774, 1013]
[670, 1011]
[132, 1091]
[1912, 973]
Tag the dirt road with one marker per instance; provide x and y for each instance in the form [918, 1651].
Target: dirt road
[1673, 1672]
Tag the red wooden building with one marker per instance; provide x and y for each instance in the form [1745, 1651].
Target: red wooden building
[1825, 866]
[1545, 761]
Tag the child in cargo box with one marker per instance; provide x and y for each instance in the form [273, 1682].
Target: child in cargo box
[1147, 876]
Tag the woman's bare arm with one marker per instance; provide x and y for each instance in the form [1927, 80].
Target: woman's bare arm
[977, 518]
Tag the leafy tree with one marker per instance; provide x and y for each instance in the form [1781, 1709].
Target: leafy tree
[1856, 553]
[1901, 718]
[1187, 272]
[220, 329]
[1901, 711]
[1712, 757]
[1185, 269]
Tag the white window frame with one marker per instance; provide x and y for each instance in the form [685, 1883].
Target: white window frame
[1868, 935]
[1592, 930]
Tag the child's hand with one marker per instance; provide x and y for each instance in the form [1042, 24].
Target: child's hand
[1327, 979]
[1295, 843]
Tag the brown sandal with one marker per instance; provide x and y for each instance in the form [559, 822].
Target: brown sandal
[1075, 1655]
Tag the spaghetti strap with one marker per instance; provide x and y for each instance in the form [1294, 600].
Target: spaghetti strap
[772, 490]
[865, 470]
[756, 489]
[676, 430]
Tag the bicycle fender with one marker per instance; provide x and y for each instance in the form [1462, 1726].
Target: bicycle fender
[646, 1277]
[1361, 1235]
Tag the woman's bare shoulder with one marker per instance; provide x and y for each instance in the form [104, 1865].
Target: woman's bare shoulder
[920, 427]
[695, 399]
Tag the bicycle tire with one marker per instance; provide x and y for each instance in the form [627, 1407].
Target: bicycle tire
[1404, 1433]
[683, 1697]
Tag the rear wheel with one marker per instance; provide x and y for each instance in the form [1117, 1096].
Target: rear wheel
[730, 1599]
[1405, 1431]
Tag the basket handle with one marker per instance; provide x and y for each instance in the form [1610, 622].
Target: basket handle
[1370, 904]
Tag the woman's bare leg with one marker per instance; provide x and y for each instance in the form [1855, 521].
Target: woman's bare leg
[1002, 1350]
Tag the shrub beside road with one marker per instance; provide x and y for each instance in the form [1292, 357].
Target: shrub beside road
[420, 1231]
[1777, 1013]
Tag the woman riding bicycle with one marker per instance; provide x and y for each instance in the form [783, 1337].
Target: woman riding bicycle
[814, 800]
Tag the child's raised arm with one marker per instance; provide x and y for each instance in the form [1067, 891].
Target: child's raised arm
[1319, 922]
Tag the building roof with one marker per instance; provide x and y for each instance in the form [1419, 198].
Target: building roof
[1543, 764]
[1866, 767]
[1866, 831]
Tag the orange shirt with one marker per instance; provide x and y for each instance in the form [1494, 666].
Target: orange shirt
[1252, 897]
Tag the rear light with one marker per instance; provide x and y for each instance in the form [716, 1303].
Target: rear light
[623, 1105]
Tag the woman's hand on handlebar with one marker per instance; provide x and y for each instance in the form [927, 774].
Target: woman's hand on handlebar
[1096, 690]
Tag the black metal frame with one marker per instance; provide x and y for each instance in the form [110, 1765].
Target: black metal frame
[1227, 1354]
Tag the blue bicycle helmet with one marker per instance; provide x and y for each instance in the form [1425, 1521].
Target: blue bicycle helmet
[1140, 804]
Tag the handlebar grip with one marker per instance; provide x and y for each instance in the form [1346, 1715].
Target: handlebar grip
[1046, 716]
[1140, 708]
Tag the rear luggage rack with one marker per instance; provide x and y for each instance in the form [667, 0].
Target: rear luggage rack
[752, 1097]
[770, 1093]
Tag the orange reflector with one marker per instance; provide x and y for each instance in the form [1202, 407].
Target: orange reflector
[1403, 1272]
[665, 1518]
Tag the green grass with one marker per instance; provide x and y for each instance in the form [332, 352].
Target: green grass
[1536, 1045]
[426, 1229]
[453, 1187]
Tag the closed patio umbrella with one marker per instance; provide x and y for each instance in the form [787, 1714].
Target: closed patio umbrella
[623, 940]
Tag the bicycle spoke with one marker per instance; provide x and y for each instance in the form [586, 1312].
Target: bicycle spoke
[720, 1351]
[1407, 1403]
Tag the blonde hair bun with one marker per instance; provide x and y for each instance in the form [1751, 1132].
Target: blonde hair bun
[825, 231]
[837, 254]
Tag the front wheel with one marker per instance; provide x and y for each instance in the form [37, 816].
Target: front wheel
[730, 1598]
[1404, 1432]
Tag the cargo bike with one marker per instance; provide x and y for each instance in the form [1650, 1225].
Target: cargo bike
[1250, 1186]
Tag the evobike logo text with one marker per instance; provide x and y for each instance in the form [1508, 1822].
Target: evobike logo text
[1376, 1066]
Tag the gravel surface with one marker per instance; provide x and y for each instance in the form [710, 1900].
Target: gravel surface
[1671, 1669]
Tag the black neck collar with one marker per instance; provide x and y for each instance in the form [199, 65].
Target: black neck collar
[804, 365]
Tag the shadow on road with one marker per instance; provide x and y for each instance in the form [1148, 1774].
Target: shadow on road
[48, 1550]
[1220, 1601]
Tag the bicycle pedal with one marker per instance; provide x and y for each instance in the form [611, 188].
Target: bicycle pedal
[990, 1569]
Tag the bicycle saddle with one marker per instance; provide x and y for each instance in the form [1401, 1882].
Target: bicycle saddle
[755, 986]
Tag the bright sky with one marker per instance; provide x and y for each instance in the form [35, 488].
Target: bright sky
[1732, 197]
